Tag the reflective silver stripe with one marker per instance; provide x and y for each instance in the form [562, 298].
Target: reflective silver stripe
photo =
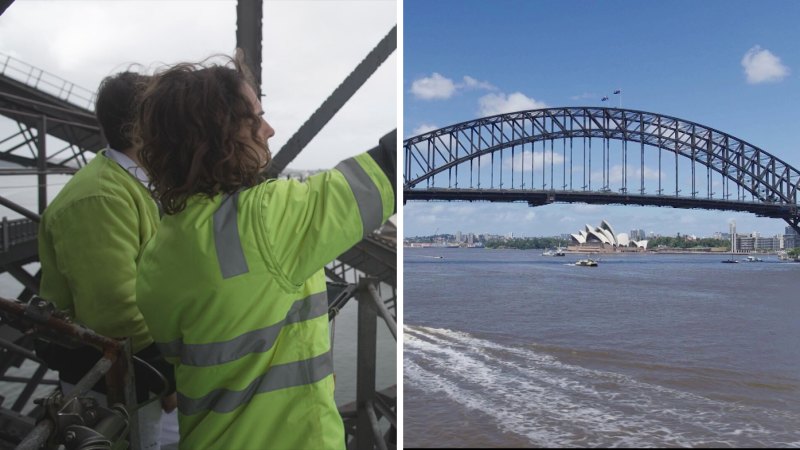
[368, 197]
[281, 376]
[226, 238]
[256, 341]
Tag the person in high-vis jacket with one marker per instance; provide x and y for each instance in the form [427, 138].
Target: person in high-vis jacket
[232, 287]
[90, 239]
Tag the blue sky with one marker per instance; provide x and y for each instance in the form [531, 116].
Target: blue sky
[730, 65]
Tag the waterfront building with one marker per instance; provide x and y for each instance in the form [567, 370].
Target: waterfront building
[637, 235]
[755, 242]
[791, 239]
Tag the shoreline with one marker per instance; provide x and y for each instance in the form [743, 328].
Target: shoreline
[671, 251]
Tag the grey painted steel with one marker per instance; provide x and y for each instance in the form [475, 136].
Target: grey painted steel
[256, 341]
[20, 209]
[129, 393]
[383, 310]
[29, 281]
[333, 103]
[365, 372]
[41, 159]
[90, 379]
[281, 376]
[70, 123]
[46, 82]
[52, 171]
[432, 159]
[538, 197]
[4, 4]
[230, 254]
[369, 408]
[38, 436]
[367, 194]
[249, 15]
[29, 388]
[374, 258]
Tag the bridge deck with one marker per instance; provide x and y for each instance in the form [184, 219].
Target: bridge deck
[544, 197]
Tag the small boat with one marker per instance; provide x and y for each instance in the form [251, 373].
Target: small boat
[588, 262]
[730, 261]
[754, 259]
[556, 252]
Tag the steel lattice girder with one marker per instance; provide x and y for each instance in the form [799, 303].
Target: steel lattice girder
[758, 172]
[70, 123]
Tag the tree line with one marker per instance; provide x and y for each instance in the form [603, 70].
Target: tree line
[527, 243]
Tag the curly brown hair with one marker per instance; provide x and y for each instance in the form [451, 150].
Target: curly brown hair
[189, 128]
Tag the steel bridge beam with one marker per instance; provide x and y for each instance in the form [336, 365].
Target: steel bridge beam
[538, 198]
[333, 103]
[249, 16]
[67, 122]
[4, 4]
[459, 156]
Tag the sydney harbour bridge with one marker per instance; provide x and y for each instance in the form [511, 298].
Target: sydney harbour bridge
[599, 156]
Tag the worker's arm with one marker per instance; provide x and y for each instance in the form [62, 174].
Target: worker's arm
[307, 225]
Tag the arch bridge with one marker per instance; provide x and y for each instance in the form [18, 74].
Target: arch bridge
[600, 156]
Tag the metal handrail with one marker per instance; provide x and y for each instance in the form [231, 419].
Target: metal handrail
[46, 82]
[39, 316]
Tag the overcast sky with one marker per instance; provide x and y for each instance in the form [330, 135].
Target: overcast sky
[309, 47]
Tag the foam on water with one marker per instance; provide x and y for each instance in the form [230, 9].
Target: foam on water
[551, 403]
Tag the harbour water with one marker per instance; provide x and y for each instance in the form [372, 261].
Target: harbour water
[510, 348]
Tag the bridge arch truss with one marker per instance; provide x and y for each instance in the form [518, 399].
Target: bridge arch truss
[599, 155]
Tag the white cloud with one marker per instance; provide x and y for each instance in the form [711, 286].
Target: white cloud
[434, 87]
[762, 66]
[584, 207]
[424, 128]
[491, 104]
[472, 83]
[585, 95]
[522, 160]
[439, 87]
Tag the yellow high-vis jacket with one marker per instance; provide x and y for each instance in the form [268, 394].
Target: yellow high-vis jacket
[233, 291]
[90, 238]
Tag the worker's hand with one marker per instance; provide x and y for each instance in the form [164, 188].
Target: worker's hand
[170, 402]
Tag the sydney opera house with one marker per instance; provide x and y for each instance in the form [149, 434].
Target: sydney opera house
[603, 238]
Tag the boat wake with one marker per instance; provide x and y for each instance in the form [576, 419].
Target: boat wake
[550, 403]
